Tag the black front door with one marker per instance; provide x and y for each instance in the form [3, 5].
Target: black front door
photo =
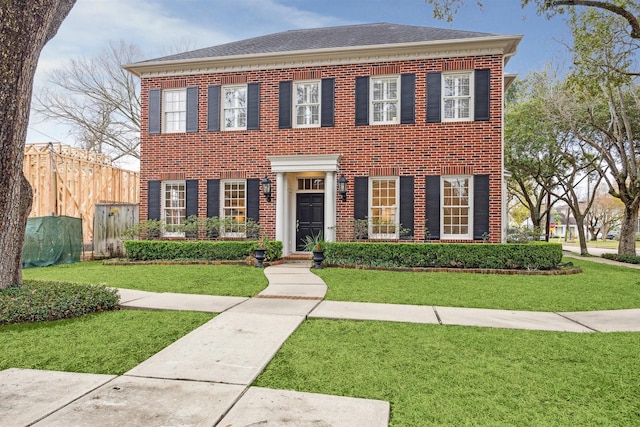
[309, 216]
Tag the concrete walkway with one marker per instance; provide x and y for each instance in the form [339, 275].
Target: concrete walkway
[203, 379]
[573, 251]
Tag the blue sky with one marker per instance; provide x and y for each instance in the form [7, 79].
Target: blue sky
[158, 25]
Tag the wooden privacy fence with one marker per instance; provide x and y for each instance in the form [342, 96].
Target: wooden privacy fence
[70, 181]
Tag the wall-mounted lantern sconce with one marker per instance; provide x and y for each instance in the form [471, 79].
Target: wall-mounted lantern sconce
[266, 188]
[342, 187]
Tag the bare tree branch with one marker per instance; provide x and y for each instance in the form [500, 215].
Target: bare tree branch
[98, 99]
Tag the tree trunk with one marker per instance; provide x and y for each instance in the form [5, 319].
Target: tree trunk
[582, 237]
[25, 27]
[627, 245]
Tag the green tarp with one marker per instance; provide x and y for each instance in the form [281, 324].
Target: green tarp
[52, 240]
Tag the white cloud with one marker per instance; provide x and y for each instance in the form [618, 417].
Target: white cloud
[288, 16]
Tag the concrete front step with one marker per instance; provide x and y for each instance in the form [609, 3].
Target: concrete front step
[297, 258]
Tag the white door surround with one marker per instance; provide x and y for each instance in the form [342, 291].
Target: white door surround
[287, 169]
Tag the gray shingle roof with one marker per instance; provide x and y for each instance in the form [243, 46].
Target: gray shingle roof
[326, 38]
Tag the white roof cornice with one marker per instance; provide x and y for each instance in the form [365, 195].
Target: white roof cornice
[505, 45]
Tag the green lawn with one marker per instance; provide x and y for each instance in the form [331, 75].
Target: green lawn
[224, 280]
[431, 374]
[102, 343]
[437, 375]
[598, 287]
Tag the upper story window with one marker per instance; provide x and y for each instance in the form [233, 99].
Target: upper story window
[383, 208]
[457, 93]
[234, 106]
[175, 110]
[306, 101]
[173, 207]
[385, 100]
[456, 205]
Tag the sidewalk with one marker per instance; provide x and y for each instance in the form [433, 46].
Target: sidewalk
[573, 251]
[204, 378]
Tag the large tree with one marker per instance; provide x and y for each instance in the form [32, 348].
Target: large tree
[25, 27]
[541, 148]
[531, 154]
[98, 99]
[602, 107]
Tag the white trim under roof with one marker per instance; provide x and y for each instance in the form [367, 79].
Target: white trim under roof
[505, 45]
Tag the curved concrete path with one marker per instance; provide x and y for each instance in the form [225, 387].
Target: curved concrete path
[204, 378]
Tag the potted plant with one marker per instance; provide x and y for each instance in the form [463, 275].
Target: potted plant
[259, 251]
[315, 244]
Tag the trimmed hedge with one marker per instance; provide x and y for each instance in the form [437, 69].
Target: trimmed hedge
[629, 259]
[543, 256]
[38, 301]
[149, 250]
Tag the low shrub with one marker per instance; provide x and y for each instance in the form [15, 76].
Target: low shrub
[38, 301]
[540, 256]
[151, 250]
[629, 259]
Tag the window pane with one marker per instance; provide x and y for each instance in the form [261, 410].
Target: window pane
[307, 104]
[455, 212]
[235, 107]
[383, 211]
[173, 207]
[234, 208]
[457, 96]
[175, 110]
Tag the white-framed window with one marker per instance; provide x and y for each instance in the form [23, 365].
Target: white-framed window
[457, 96]
[385, 100]
[234, 208]
[173, 207]
[306, 104]
[174, 107]
[384, 200]
[234, 107]
[457, 205]
[310, 184]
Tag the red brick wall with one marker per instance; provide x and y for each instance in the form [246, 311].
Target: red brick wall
[418, 149]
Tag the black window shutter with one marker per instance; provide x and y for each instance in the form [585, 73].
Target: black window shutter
[191, 202]
[253, 199]
[406, 206]
[284, 105]
[481, 94]
[253, 106]
[434, 97]
[213, 198]
[154, 110]
[192, 109]
[480, 206]
[361, 197]
[327, 102]
[213, 109]
[362, 101]
[408, 98]
[153, 200]
[433, 206]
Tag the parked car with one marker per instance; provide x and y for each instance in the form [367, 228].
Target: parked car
[613, 235]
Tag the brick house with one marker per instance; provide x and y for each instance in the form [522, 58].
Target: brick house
[410, 117]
